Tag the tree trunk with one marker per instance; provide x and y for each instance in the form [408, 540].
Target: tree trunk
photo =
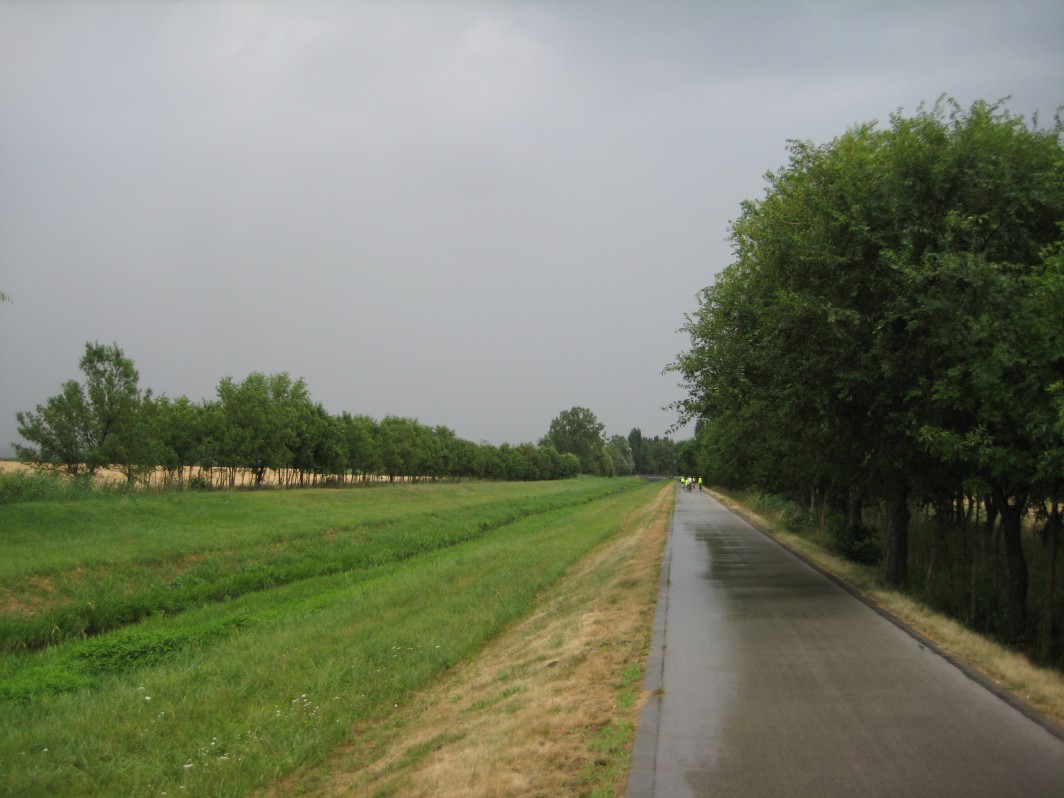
[929, 579]
[1052, 533]
[857, 512]
[1016, 562]
[816, 506]
[978, 546]
[991, 515]
[897, 570]
[965, 514]
[939, 547]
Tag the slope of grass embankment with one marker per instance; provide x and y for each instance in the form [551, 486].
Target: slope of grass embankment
[218, 642]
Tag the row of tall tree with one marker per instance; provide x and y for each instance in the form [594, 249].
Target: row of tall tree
[267, 426]
[578, 431]
[892, 330]
[657, 455]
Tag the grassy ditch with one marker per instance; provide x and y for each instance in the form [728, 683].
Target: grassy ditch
[72, 569]
[234, 691]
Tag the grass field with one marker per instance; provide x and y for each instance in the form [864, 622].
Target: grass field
[214, 643]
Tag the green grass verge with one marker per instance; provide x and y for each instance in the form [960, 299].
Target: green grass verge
[612, 744]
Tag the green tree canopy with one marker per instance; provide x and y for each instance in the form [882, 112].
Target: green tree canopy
[90, 424]
[578, 431]
[621, 458]
[884, 329]
[260, 418]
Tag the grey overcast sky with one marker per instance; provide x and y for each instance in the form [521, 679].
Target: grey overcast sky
[476, 214]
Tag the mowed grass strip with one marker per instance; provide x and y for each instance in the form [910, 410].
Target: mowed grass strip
[81, 568]
[296, 668]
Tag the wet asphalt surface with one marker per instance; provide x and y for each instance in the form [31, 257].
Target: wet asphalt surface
[775, 681]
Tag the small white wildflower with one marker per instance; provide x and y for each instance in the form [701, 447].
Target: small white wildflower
[147, 698]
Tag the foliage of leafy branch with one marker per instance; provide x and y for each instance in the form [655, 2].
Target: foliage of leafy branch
[892, 327]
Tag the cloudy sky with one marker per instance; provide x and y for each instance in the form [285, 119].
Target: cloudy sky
[476, 214]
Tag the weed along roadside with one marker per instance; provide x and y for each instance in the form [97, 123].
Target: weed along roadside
[342, 652]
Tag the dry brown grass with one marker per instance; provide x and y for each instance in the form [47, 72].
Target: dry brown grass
[37, 595]
[218, 477]
[17, 466]
[517, 719]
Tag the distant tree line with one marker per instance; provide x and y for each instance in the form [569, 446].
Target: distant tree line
[578, 431]
[891, 332]
[265, 426]
[657, 455]
[269, 429]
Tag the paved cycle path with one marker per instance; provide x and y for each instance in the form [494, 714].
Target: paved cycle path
[775, 681]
